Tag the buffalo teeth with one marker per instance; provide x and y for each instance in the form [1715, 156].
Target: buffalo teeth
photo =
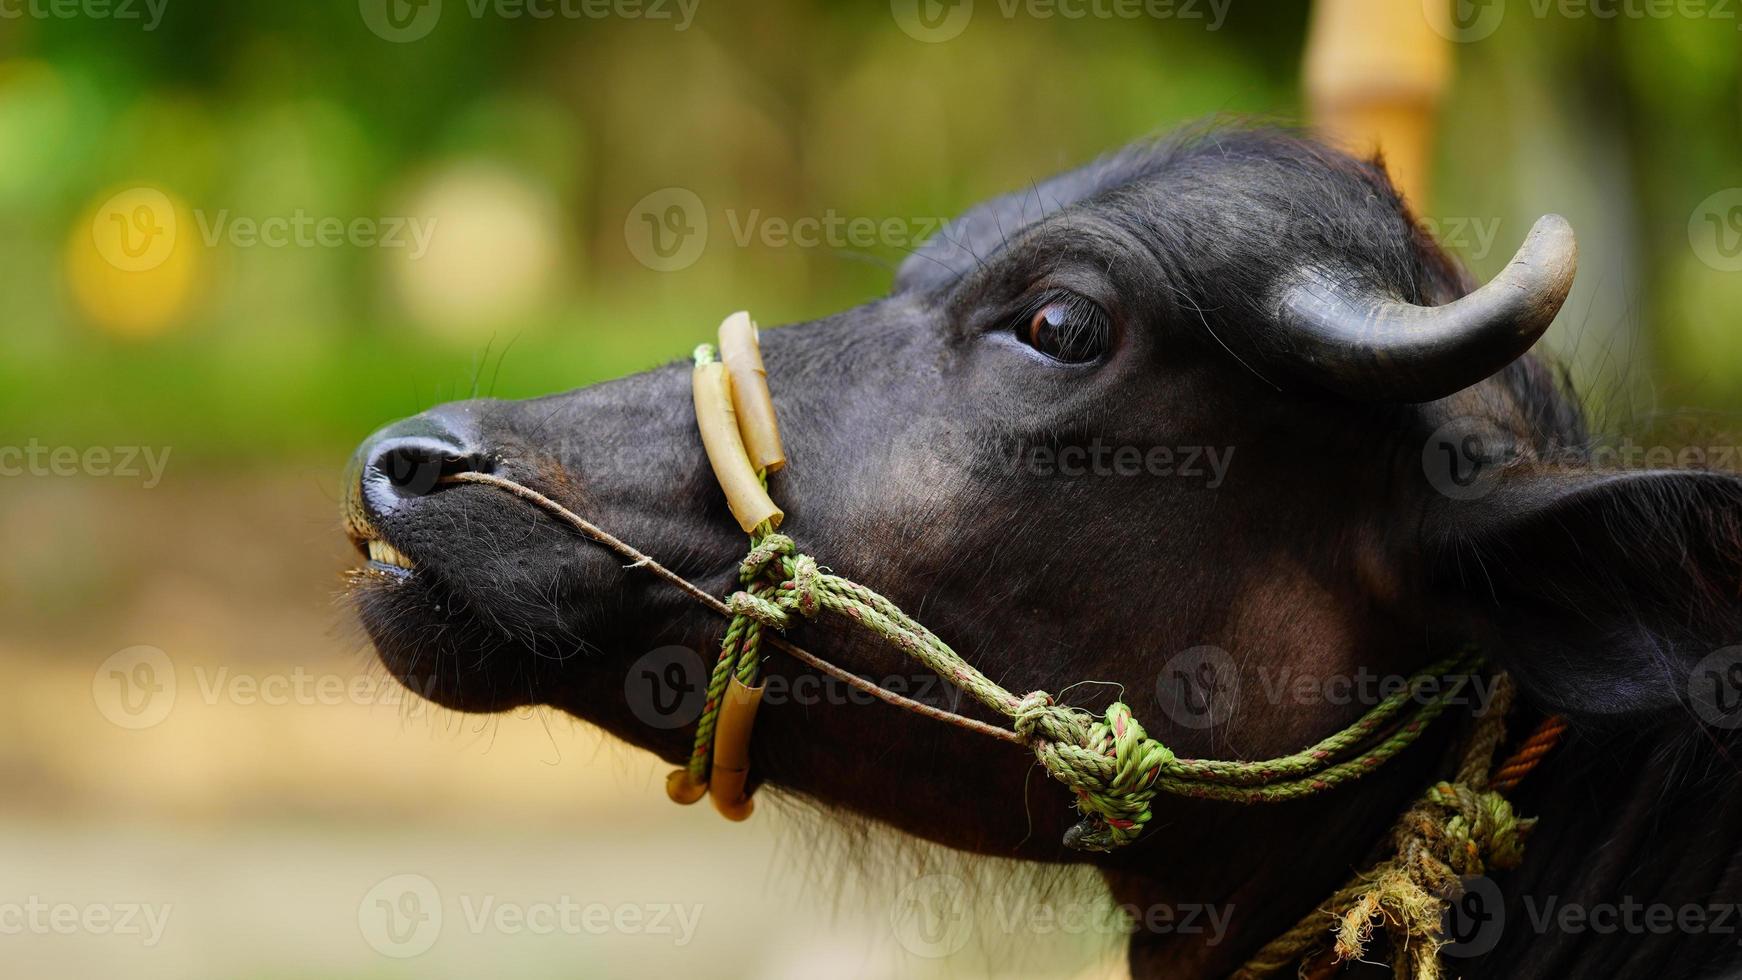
[387, 554]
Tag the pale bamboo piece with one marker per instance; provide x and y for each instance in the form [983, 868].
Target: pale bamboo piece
[741, 352]
[749, 502]
[731, 768]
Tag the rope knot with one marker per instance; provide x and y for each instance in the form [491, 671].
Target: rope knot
[766, 552]
[1478, 829]
[1037, 718]
[1111, 763]
[764, 611]
[804, 588]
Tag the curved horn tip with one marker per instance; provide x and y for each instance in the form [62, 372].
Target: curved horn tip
[1369, 345]
[1542, 271]
[1552, 247]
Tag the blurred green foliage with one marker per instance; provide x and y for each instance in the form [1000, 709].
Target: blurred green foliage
[530, 143]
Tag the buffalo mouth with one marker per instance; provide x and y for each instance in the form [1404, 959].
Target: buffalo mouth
[380, 556]
[423, 614]
[441, 588]
[386, 558]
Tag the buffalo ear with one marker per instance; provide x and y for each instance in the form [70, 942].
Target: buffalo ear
[1600, 591]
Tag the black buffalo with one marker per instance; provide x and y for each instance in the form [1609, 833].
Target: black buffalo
[1218, 392]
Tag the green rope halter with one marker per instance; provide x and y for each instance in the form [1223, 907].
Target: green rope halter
[1110, 763]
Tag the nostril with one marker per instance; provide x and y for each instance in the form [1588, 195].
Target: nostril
[416, 466]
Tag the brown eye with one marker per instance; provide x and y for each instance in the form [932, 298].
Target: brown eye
[1070, 329]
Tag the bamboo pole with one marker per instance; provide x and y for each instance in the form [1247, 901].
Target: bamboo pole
[1375, 73]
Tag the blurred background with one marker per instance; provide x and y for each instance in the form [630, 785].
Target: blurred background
[236, 237]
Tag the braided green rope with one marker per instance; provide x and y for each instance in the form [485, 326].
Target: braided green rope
[1110, 763]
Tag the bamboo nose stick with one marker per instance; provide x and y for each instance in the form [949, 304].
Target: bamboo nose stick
[711, 388]
[741, 352]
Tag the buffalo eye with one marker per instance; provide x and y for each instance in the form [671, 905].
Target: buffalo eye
[1068, 328]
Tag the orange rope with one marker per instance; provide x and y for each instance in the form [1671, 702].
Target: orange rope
[1538, 745]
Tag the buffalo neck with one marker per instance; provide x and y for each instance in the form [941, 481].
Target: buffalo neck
[1626, 841]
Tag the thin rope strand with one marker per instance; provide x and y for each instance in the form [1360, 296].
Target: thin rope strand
[643, 560]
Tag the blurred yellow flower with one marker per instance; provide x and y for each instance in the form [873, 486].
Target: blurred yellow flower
[132, 262]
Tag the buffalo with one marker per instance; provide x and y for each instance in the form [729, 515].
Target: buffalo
[1215, 400]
